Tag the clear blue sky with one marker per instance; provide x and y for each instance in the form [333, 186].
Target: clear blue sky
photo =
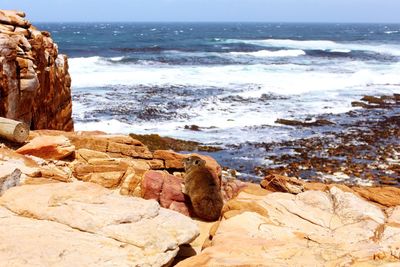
[209, 10]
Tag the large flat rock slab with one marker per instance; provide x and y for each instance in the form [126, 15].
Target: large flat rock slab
[154, 234]
[313, 228]
[29, 242]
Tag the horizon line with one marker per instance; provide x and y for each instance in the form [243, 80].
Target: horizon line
[228, 21]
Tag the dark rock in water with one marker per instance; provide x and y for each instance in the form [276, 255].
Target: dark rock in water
[373, 100]
[192, 128]
[363, 146]
[319, 122]
[370, 102]
[156, 142]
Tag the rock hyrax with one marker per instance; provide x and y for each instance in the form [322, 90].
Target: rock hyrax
[202, 189]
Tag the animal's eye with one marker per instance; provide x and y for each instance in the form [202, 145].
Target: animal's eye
[196, 162]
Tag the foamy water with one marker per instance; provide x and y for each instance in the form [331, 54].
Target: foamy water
[232, 80]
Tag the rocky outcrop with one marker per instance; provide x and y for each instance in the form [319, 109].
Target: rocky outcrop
[34, 79]
[116, 162]
[90, 197]
[66, 224]
[313, 228]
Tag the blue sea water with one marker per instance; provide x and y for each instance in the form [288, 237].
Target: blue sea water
[231, 79]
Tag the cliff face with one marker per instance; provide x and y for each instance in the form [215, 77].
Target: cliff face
[34, 79]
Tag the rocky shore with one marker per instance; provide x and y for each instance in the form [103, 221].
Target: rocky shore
[92, 199]
[34, 79]
[112, 195]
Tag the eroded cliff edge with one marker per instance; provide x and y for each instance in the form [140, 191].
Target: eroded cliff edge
[35, 86]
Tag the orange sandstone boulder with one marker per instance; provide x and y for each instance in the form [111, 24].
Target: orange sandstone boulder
[34, 78]
[48, 147]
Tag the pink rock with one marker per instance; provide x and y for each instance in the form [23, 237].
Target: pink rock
[180, 207]
[152, 184]
[171, 190]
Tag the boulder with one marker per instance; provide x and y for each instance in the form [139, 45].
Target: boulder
[48, 147]
[172, 159]
[279, 183]
[34, 78]
[136, 232]
[166, 189]
[171, 191]
[312, 228]
[386, 196]
[152, 185]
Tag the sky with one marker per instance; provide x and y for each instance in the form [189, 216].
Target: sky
[385, 11]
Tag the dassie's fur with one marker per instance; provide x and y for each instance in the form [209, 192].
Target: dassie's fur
[202, 189]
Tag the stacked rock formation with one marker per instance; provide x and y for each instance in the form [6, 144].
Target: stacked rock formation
[119, 163]
[34, 79]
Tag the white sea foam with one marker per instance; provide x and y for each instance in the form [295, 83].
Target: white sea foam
[267, 53]
[283, 79]
[312, 89]
[325, 45]
[340, 51]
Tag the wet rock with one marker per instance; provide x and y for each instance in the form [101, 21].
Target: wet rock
[192, 128]
[156, 142]
[319, 122]
[361, 148]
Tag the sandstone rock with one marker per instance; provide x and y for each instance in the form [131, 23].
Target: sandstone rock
[313, 228]
[56, 173]
[152, 185]
[11, 161]
[171, 191]
[386, 196]
[166, 189]
[34, 79]
[129, 150]
[48, 147]
[172, 159]
[231, 187]
[109, 228]
[284, 184]
[180, 207]
[156, 164]
[106, 179]
[132, 182]
[87, 154]
[14, 18]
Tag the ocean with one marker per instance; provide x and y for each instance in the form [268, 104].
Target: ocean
[232, 80]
